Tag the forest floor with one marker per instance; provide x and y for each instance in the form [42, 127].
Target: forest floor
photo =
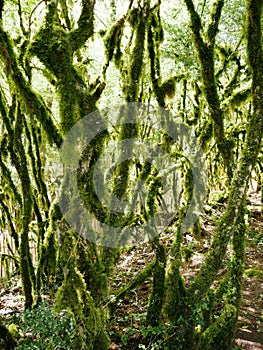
[249, 334]
[125, 328]
[250, 326]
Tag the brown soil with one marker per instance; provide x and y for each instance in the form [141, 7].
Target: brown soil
[250, 326]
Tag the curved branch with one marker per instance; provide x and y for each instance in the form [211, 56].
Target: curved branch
[33, 103]
[84, 31]
[31, 14]
[231, 217]
[205, 52]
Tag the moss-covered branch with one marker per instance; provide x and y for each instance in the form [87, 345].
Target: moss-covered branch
[136, 281]
[156, 298]
[65, 13]
[175, 287]
[73, 296]
[231, 217]
[27, 274]
[84, 31]
[54, 47]
[32, 103]
[47, 258]
[196, 25]
[214, 20]
[254, 51]
[135, 71]
[34, 149]
[205, 50]
[14, 233]
[219, 330]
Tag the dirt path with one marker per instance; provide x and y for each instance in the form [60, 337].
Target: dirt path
[250, 326]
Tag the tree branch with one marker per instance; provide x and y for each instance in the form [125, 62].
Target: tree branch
[214, 21]
[1, 8]
[231, 219]
[136, 281]
[205, 52]
[33, 103]
[196, 24]
[80, 35]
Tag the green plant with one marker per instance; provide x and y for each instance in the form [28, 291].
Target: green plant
[43, 329]
[124, 339]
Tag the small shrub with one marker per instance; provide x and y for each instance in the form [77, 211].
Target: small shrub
[43, 329]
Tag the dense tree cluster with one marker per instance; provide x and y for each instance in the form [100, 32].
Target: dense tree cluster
[199, 63]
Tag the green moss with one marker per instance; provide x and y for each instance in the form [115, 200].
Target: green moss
[188, 186]
[197, 230]
[31, 102]
[133, 16]
[188, 253]
[21, 165]
[237, 263]
[176, 293]
[156, 298]
[136, 281]
[253, 272]
[153, 192]
[219, 335]
[206, 133]
[208, 306]
[73, 296]
[153, 45]
[238, 98]
[136, 64]
[112, 41]
[48, 251]
[54, 48]
[93, 270]
[205, 51]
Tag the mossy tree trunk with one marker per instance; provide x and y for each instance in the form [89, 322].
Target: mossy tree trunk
[206, 52]
[231, 226]
[14, 121]
[83, 288]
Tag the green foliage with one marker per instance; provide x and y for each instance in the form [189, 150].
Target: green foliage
[42, 328]
[153, 337]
